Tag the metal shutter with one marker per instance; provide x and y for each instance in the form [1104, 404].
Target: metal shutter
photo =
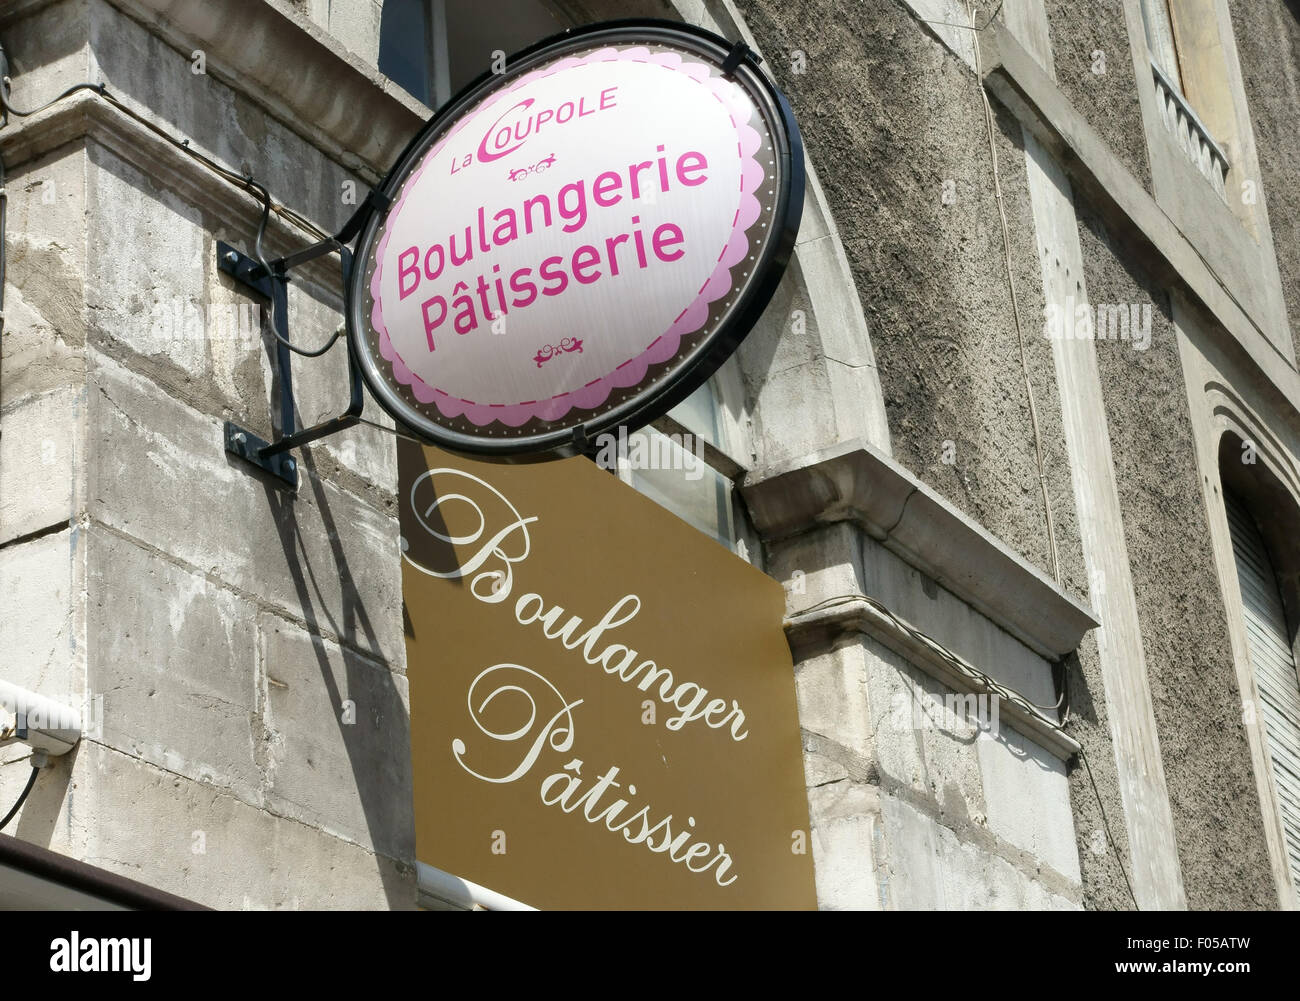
[1274, 666]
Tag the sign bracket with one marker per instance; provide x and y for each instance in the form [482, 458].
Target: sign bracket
[740, 53]
[272, 456]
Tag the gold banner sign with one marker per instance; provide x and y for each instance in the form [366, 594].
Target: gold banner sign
[602, 698]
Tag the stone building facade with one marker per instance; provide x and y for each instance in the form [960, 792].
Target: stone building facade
[1040, 320]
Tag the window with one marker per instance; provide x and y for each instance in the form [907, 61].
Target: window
[1272, 660]
[687, 463]
[1190, 69]
[433, 48]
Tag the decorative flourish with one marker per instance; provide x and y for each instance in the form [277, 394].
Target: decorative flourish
[519, 173]
[549, 351]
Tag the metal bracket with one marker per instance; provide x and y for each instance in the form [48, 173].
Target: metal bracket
[271, 456]
[740, 53]
[251, 448]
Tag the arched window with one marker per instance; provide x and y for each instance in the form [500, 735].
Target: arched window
[1272, 659]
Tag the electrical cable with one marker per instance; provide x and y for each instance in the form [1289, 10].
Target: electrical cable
[1083, 756]
[971, 26]
[958, 664]
[10, 110]
[1208, 267]
[245, 182]
[393, 431]
[31, 781]
[1038, 442]
[1053, 550]
[1064, 711]
[1015, 311]
[226, 174]
[261, 259]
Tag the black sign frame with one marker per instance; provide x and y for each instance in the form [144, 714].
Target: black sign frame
[652, 401]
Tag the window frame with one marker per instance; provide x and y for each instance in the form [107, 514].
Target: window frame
[731, 457]
[1161, 42]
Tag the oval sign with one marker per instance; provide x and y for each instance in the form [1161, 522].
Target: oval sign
[578, 243]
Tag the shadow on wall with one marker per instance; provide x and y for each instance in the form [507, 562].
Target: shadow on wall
[180, 361]
[40, 812]
[385, 792]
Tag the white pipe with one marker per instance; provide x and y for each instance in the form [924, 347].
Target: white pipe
[50, 726]
[444, 891]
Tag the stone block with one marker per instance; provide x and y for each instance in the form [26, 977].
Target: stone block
[173, 657]
[198, 841]
[338, 748]
[45, 308]
[323, 556]
[912, 858]
[50, 45]
[155, 310]
[933, 868]
[816, 566]
[40, 453]
[796, 417]
[845, 826]
[355, 23]
[1028, 799]
[921, 742]
[41, 630]
[831, 689]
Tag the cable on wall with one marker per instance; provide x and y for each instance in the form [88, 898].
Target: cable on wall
[245, 182]
[968, 27]
[1015, 307]
[956, 662]
[22, 798]
[1038, 441]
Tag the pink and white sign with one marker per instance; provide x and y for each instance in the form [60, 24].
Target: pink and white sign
[572, 241]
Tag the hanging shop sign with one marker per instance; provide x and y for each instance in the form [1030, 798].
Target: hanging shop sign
[578, 242]
[599, 719]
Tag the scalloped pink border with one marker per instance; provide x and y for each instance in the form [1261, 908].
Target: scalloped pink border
[663, 347]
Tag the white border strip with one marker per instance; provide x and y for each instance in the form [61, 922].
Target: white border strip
[441, 891]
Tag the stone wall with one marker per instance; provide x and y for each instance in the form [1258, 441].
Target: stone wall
[1268, 40]
[892, 121]
[239, 650]
[1180, 603]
